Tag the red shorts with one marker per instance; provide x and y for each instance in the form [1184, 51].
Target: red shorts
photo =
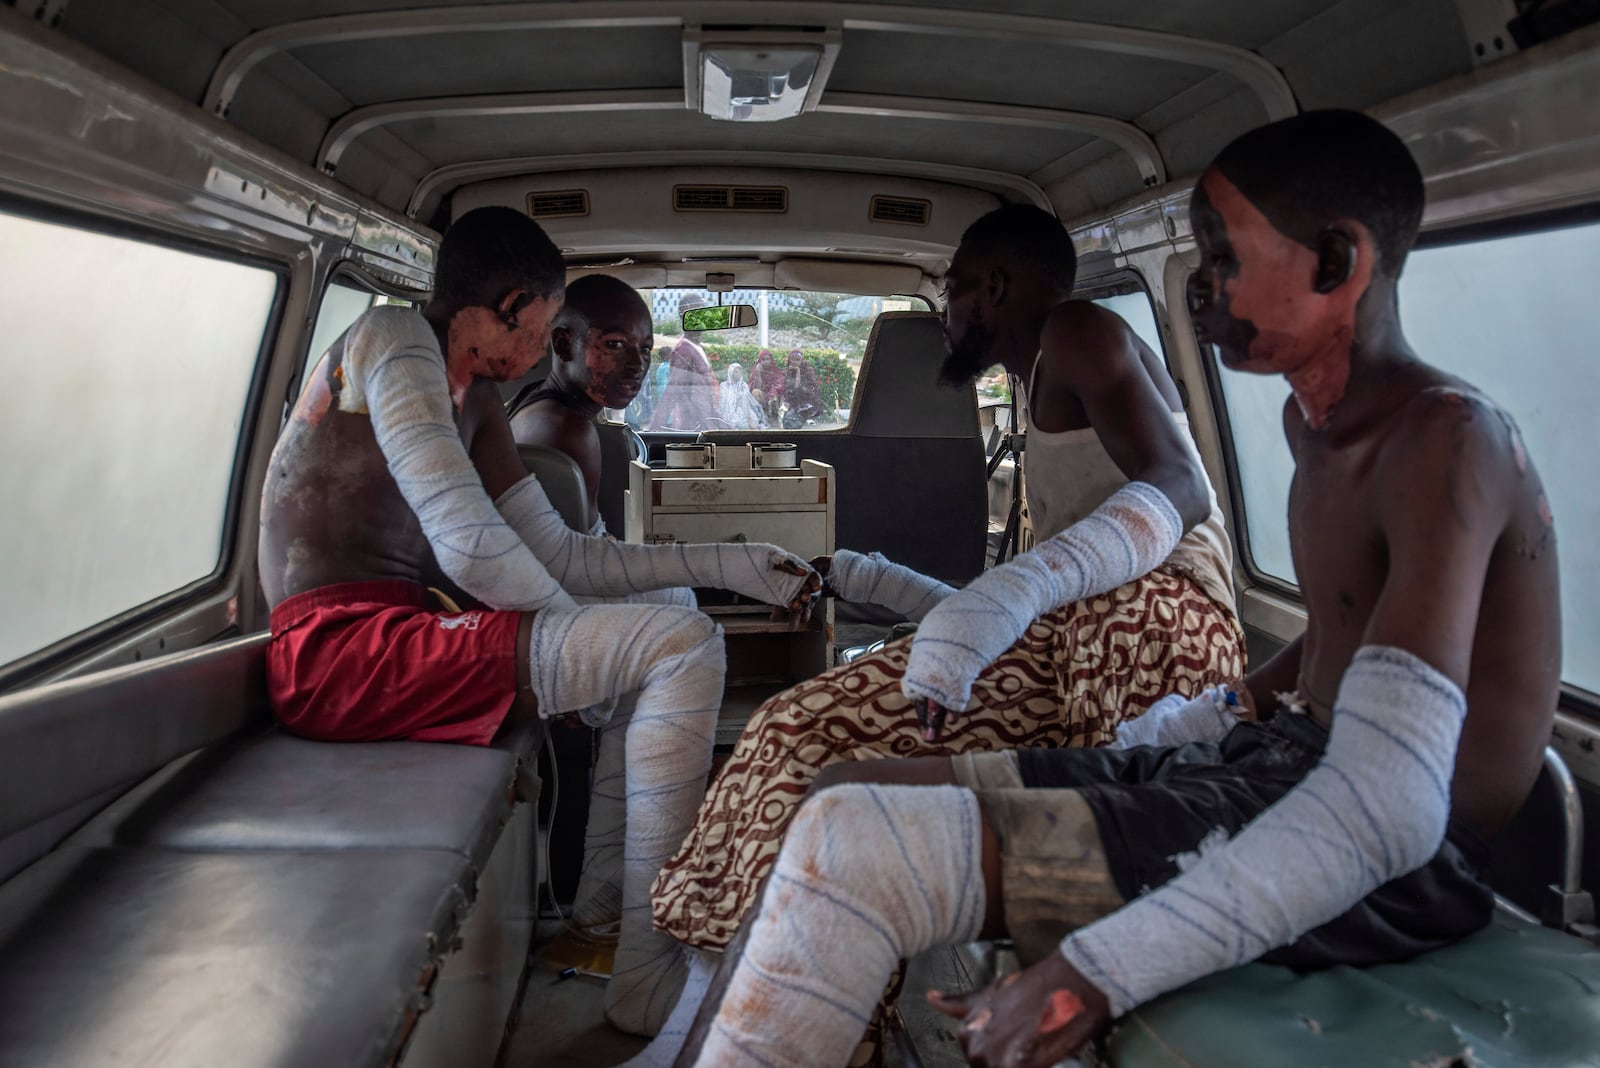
[369, 661]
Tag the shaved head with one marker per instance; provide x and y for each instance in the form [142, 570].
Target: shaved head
[599, 296]
[1306, 172]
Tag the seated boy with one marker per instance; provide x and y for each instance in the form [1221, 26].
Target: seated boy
[600, 350]
[397, 460]
[1349, 824]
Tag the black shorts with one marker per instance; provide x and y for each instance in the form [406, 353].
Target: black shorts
[1153, 804]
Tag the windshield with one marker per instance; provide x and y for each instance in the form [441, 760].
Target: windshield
[795, 370]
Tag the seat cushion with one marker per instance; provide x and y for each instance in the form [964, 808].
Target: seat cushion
[275, 791]
[134, 957]
[1513, 994]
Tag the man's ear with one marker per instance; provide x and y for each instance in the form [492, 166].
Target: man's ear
[561, 341]
[510, 304]
[1337, 253]
[997, 280]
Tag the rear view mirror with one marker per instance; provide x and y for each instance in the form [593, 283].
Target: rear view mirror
[724, 317]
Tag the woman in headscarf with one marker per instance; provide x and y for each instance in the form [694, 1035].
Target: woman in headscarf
[737, 406]
[766, 386]
[690, 400]
[802, 392]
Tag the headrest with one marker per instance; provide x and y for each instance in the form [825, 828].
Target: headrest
[899, 395]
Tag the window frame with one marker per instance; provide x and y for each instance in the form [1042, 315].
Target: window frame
[23, 671]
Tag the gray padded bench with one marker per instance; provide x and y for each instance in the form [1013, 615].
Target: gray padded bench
[150, 957]
[269, 901]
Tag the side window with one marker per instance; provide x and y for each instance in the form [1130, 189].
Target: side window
[343, 302]
[1516, 317]
[795, 371]
[128, 370]
[1135, 310]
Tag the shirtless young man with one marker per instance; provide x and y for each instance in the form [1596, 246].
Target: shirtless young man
[398, 461]
[1346, 828]
[600, 347]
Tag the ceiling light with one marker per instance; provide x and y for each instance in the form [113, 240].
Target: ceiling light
[750, 76]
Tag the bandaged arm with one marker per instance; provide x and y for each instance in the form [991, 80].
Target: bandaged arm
[1373, 809]
[591, 566]
[874, 579]
[393, 370]
[1128, 536]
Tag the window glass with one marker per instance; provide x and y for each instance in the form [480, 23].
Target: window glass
[1135, 310]
[127, 367]
[733, 387]
[1517, 317]
[343, 302]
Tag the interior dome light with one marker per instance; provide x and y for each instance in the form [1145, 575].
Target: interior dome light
[757, 76]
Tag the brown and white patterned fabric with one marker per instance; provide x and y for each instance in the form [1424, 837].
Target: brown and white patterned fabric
[1075, 674]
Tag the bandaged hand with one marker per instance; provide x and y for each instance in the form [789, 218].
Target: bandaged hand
[1034, 1018]
[874, 579]
[1127, 537]
[1175, 720]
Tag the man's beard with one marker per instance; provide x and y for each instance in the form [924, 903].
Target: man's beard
[969, 355]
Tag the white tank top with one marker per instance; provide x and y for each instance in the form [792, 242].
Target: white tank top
[1068, 474]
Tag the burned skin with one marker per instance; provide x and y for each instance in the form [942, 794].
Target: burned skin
[331, 512]
[1393, 459]
[617, 338]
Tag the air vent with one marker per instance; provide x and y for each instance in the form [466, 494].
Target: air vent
[767, 198]
[562, 202]
[900, 210]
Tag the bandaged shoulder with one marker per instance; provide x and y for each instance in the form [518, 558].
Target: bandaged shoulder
[1373, 809]
[393, 370]
[1128, 536]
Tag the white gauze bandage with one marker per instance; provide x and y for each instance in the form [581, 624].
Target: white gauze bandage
[875, 579]
[1373, 809]
[600, 567]
[393, 370]
[1177, 720]
[1128, 536]
[671, 658]
[868, 875]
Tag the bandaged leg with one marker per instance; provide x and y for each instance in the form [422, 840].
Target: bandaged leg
[874, 579]
[599, 900]
[1373, 809]
[868, 875]
[672, 659]
[665, 1047]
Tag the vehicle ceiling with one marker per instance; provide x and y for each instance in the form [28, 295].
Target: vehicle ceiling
[917, 89]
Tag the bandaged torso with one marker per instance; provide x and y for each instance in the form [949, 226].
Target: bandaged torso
[1068, 474]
